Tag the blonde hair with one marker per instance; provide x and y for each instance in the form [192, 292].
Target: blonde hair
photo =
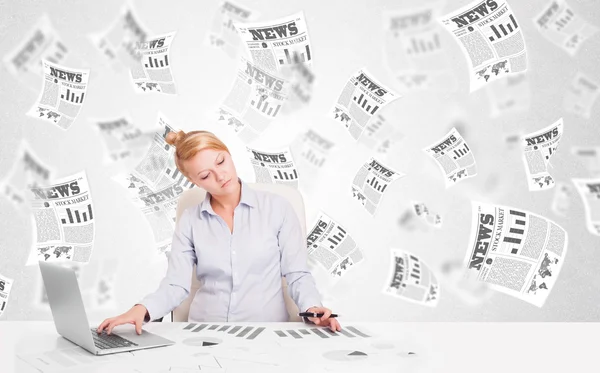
[187, 145]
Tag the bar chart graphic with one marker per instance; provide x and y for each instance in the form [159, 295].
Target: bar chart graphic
[510, 27]
[72, 97]
[362, 101]
[517, 227]
[321, 333]
[375, 184]
[262, 105]
[313, 158]
[336, 238]
[154, 62]
[459, 152]
[303, 56]
[422, 44]
[285, 176]
[247, 332]
[179, 178]
[564, 19]
[74, 216]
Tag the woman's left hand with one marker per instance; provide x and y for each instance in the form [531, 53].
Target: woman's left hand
[324, 320]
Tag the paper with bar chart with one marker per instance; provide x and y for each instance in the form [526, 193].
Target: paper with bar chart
[589, 191]
[315, 333]
[276, 43]
[274, 167]
[222, 33]
[361, 98]
[410, 279]
[454, 157]
[370, 182]
[581, 95]
[153, 72]
[514, 251]
[563, 27]
[490, 37]
[5, 287]
[380, 136]
[254, 101]
[62, 95]
[64, 214]
[330, 245]
[413, 49]
[155, 184]
[122, 138]
[538, 148]
[314, 149]
[40, 42]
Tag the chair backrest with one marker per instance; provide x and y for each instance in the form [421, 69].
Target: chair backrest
[196, 195]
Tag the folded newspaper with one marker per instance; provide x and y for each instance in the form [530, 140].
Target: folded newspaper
[274, 167]
[121, 138]
[64, 221]
[539, 147]
[454, 157]
[332, 247]
[361, 98]
[370, 183]
[581, 95]
[5, 287]
[153, 71]
[516, 252]
[490, 37]
[410, 279]
[222, 33]
[62, 96]
[589, 190]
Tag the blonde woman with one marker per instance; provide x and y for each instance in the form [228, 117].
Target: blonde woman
[242, 241]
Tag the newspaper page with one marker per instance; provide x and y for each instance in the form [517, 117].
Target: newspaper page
[153, 71]
[301, 81]
[103, 296]
[589, 190]
[422, 211]
[64, 219]
[274, 167]
[40, 42]
[489, 35]
[222, 33]
[454, 157]
[27, 172]
[370, 182]
[62, 96]
[470, 291]
[539, 147]
[590, 155]
[118, 42]
[559, 24]
[411, 279]
[413, 49]
[253, 102]
[509, 95]
[332, 247]
[155, 185]
[272, 44]
[561, 201]
[380, 136]
[315, 149]
[5, 286]
[121, 138]
[360, 99]
[581, 96]
[516, 252]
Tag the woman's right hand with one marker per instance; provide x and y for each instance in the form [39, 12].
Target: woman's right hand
[135, 316]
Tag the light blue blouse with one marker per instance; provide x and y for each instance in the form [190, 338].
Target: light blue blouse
[240, 272]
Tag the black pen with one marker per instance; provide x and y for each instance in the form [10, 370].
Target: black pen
[314, 314]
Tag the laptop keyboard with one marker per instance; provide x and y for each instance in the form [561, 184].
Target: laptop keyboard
[107, 341]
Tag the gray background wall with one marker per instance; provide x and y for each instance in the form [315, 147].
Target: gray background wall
[345, 36]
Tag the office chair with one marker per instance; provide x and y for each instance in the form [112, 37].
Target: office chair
[195, 196]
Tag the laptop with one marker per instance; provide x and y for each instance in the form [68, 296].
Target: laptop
[71, 320]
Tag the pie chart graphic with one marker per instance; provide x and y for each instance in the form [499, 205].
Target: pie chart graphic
[202, 341]
[345, 355]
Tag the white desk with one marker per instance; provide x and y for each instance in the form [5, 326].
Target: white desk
[438, 347]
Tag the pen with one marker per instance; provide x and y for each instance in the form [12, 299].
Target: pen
[314, 314]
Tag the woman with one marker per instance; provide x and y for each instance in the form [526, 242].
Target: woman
[242, 241]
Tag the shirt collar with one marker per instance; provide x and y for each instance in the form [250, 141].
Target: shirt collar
[248, 197]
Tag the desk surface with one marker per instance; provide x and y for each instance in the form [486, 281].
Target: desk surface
[389, 347]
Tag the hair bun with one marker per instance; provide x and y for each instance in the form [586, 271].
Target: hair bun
[174, 138]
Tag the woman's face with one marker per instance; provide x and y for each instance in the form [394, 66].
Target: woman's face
[213, 171]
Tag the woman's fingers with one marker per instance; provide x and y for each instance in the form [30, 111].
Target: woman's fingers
[103, 325]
